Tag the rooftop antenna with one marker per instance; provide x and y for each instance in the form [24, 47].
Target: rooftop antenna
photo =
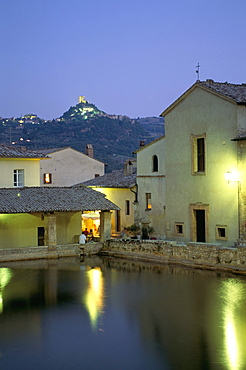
[198, 70]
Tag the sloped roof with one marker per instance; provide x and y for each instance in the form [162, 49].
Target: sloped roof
[56, 199]
[114, 179]
[241, 136]
[235, 92]
[232, 92]
[152, 142]
[51, 150]
[13, 152]
[47, 151]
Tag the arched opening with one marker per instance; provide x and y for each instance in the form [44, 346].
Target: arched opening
[155, 163]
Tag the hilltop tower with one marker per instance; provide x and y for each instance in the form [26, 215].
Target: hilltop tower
[82, 99]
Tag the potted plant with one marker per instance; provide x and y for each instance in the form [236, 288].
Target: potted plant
[146, 231]
[134, 231]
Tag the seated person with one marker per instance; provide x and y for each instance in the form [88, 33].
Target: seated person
[90, 235]
[82, 238]
[86, 232]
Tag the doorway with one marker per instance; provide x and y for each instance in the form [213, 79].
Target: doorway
[199, 217]
[200, 225]
[118, 228]
[40, 236]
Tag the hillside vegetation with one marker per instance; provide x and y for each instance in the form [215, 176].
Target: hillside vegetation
[113, 137]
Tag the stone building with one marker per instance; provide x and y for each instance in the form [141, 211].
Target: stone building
[31, 215]
[68, 166]
[203, 145]
[35, 216]
[120, 188]
[19, 167]
[151, 186]
[199, 126]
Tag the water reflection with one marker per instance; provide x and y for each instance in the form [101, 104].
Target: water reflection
[94, 295]
[232, 293]
[152, 316]
[5, 276]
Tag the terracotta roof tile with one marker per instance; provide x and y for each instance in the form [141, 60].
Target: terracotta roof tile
[57, 199]
[233, 91]
[13, 152]
[115, 179]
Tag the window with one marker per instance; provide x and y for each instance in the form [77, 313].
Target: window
[198, 154]
[148, 202]
[97, 175]
[221, 232]
[47, 178]
[155, 163]
[19, 178]
[179, 228]
[127, 206]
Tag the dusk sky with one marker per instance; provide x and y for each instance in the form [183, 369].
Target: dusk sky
[129, 57]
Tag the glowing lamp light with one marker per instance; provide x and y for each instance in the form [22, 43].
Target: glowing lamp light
[231, 177]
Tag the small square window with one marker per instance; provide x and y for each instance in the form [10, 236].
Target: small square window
[179, 228]
[47, 178]
[221, 232]
[97, 175]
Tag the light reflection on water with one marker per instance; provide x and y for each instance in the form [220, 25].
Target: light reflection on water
[233, 302]
[5, 276]
[118, 314]
[94, 295]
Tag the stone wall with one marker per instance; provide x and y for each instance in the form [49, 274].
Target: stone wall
[34, 253]
[202, 255]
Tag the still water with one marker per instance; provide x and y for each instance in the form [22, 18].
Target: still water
[117, 314]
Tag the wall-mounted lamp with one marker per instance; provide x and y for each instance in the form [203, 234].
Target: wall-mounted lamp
[231, 177]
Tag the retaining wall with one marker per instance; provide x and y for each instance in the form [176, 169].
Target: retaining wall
[34, 253]
[202, 255]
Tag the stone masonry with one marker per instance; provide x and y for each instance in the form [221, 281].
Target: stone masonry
[200, 255]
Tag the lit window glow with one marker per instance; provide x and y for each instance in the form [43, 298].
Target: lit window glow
[47, 178]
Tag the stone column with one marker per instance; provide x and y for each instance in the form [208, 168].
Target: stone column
[50, 233]
[105, 225]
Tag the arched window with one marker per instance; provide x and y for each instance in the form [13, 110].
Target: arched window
[155, 163]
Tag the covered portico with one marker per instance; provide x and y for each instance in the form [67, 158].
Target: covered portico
[56, 211]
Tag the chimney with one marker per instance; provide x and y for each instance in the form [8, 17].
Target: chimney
[142, 143]
[89, 150]
[128, 168]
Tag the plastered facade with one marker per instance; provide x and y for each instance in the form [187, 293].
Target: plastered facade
[206, 115]
[152, 180]
[69, 167]
[31, 171]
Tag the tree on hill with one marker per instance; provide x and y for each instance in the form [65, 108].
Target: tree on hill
[113, 137]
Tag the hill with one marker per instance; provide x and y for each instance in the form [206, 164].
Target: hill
[153, 125]
[113, 137]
